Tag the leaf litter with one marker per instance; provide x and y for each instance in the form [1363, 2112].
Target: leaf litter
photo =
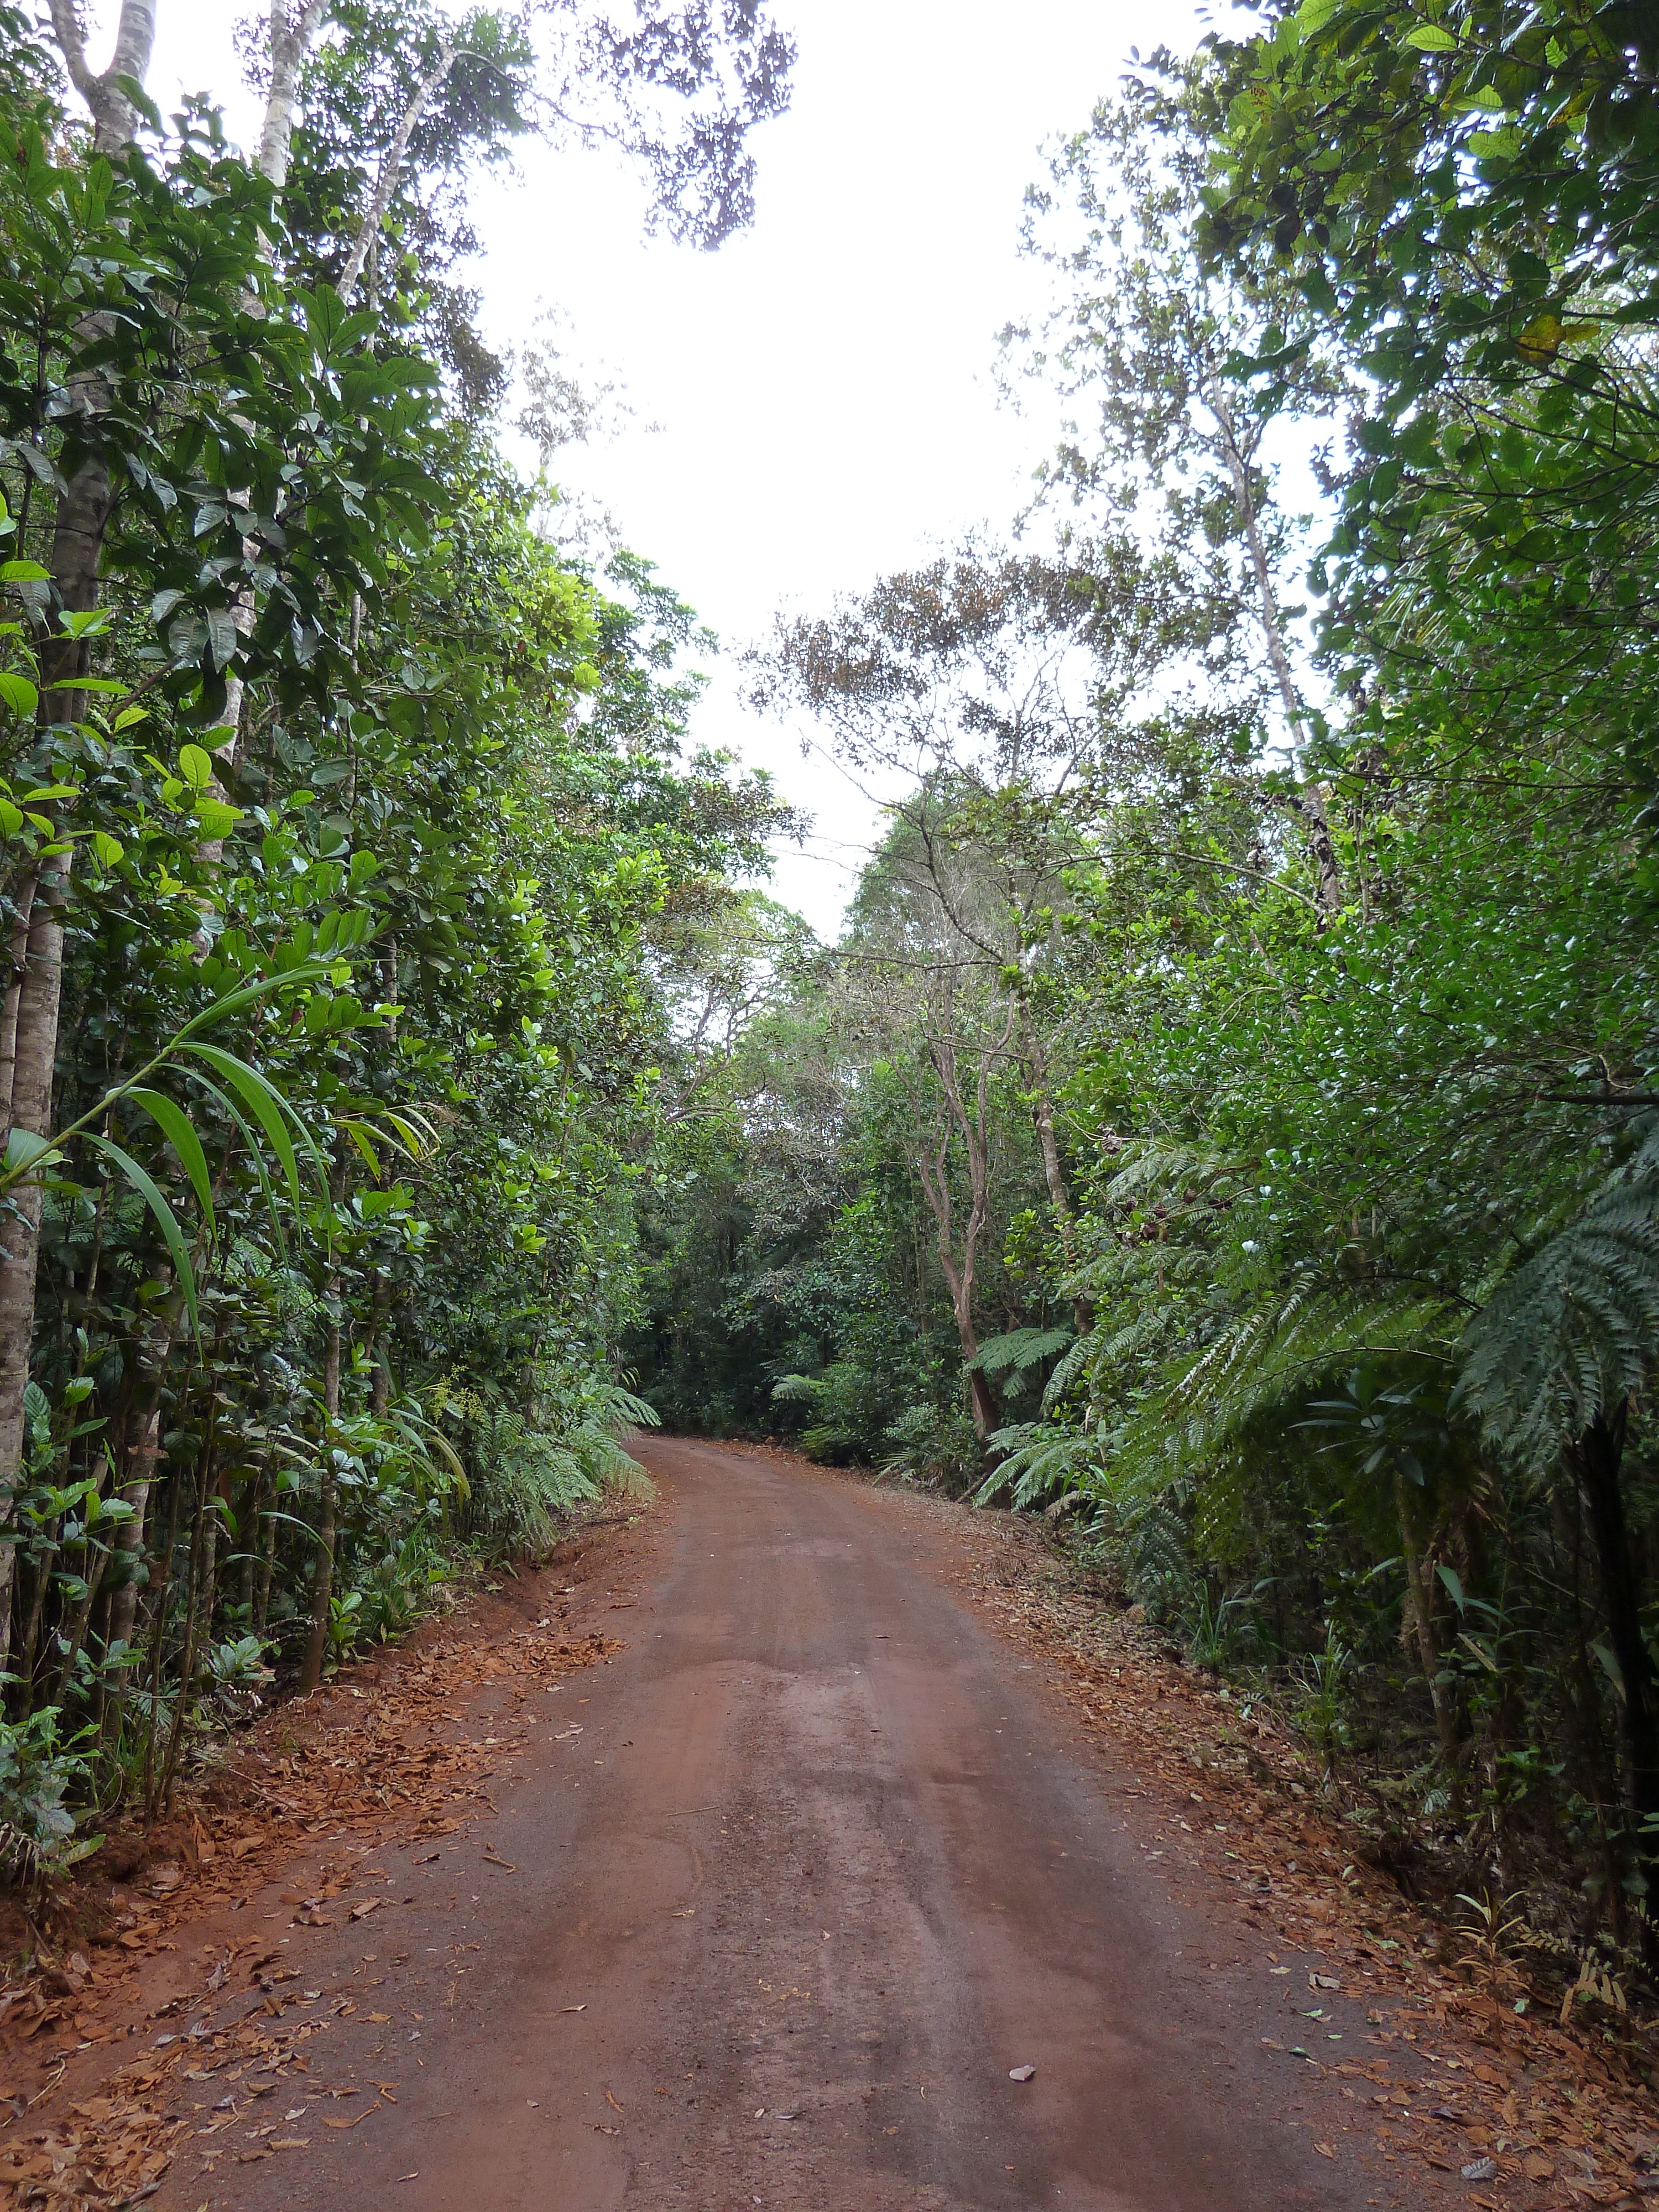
[390, 1765]
[1547, 2112]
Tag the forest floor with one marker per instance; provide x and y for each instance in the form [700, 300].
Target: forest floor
[874, 1804]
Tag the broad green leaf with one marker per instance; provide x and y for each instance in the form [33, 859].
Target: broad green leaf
[107, 848]
[1313, 15]
[25, 1149]
[20, 695]
[176, 1126]
[1430, 39]
[196, 766]
[165, 1217]
[23, 572]
[218, 819]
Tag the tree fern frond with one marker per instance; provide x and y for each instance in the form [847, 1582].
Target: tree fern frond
[1042, 1458]
[1018, 1349]
[1268, 1356]
[1570, 1333]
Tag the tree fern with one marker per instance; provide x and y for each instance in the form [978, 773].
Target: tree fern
[1040, 1460]
[1270, 1356]
[1570, 1333]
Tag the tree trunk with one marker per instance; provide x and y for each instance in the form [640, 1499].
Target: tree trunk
[288, 44]
[83, 518]
[1420, 1627]
[387, 182]
[17, 953]
[112, 112]
[144, 1451]
[35, 1052]
[1054, 1172]
[322, 1564]
[934, 1170]
[1595, 1460]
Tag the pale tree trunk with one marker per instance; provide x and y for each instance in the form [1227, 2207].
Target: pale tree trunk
[289, 37]
[138, 1479]
[934, 1170]
[1054, 1170]
[17, 949]
[387, 182]
[112, 113]
[1310, 801]
[83, 518]
[35, 1049]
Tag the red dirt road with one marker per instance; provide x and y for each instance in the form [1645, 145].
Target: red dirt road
[824, 1863]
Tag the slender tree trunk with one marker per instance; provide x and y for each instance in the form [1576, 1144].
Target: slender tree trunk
[380, 1386]
[322, 1564]
[143, 1452]
[198, 1618]
[289, 40]
[17, 953]
[1595, 1460]
[1054, 1171]
[387, 182]
[934, 1170]
[83, 518]
[1419, 1626]
[35, 1049]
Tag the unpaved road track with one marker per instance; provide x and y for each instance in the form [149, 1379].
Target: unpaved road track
[822, 1865]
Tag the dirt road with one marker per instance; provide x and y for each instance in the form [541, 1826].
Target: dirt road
[822, 1864]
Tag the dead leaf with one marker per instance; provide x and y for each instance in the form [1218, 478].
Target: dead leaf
[362, 1911]
[1324, 2150]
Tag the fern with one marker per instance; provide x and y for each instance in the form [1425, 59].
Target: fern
[1019, 1349]
[529, 1470]
[1271, 1355]
[1040, 1459]
[1571, 1332]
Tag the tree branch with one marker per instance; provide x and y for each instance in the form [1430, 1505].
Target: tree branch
[387, 182]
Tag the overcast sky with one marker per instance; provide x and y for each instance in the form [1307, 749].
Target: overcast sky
[816, 403]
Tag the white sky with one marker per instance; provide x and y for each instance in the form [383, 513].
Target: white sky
[823, 385]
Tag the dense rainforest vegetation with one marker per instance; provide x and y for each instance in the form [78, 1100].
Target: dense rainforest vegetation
[348, 824]
[1228, 1120]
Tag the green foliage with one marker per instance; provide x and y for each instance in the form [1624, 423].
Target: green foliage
[364, 816]
[41, 1772]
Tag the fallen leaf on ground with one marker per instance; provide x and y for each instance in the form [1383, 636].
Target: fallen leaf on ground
[1021, 2073]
